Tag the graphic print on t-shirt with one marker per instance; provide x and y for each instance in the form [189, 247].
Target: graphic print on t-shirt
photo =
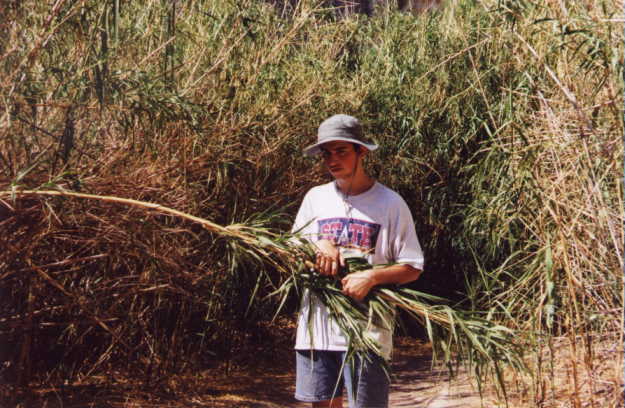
[350, 233]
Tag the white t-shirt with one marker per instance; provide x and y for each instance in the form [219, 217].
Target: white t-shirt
[377, 225]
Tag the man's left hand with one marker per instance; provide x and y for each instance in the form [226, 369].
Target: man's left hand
[358, 284]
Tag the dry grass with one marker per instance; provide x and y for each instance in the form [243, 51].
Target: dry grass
[565, 376]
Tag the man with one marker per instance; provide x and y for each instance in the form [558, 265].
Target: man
[353, 215]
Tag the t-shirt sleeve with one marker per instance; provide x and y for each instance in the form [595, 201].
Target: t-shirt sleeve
[405, 245]
[304, 220]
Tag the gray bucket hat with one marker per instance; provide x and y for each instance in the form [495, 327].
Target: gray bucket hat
[339, 127]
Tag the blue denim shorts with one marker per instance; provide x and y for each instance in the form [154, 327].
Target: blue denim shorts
[321, 376]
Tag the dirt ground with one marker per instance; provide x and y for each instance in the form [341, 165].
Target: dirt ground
[267, 383]
[415, 383]
[264, 377]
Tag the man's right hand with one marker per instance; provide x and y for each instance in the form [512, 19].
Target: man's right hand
[328, 258]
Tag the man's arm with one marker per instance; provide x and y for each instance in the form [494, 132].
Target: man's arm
[358, 284]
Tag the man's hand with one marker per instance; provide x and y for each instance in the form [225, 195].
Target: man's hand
[328, 258]
[358, 284]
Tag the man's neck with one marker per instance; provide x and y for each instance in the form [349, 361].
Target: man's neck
[355, 185]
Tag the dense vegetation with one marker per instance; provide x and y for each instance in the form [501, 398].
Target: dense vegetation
[500, 123]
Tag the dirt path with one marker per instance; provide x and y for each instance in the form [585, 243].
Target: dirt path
[265, 378]
[415, 385]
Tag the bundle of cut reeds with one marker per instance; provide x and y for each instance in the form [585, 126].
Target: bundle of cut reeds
[479, 342]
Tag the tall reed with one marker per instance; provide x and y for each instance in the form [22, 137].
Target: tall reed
[500, 123]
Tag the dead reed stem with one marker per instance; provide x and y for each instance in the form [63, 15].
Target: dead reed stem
[233, 231]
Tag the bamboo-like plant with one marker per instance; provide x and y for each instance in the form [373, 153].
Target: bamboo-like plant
[461, 337]
[478, 341]
[500, 124]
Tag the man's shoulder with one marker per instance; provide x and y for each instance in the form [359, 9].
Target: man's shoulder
[321, 189]
[389, 195]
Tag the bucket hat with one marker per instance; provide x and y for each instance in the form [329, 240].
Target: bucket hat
[339, 127]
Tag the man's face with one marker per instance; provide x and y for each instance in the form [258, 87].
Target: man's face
[340, 158]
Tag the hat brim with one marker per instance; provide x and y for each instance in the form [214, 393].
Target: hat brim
[315, 149]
